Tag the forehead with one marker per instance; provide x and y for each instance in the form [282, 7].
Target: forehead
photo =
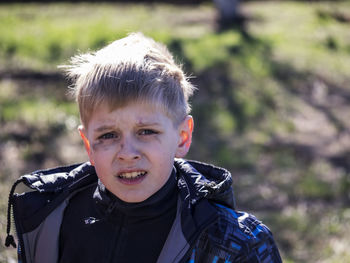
[136, 112]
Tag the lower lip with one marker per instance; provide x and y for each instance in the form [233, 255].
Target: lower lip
[132, 181]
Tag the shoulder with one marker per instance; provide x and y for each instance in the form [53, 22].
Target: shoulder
[46, 189]
[240, 224]
[237, 237]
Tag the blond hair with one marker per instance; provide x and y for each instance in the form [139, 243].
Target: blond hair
[134, 68]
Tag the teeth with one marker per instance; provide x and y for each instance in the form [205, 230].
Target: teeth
[131, 175]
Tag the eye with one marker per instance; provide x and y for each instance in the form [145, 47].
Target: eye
[107, 136]
[147, 132]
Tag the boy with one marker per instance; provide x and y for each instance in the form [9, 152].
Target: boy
[136, 200]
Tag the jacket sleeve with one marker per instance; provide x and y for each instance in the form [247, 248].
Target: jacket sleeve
[261, 246]
[236, 237]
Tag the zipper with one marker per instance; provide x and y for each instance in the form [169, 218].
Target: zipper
[117, 238]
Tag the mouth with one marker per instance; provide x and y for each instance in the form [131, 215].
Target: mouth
[131, 177]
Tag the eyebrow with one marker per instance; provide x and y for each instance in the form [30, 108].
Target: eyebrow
[139, 124]
[104, 128]
[145, 123]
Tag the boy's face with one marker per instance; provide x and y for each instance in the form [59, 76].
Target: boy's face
[133, 148]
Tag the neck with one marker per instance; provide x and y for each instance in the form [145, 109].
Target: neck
[157, 204]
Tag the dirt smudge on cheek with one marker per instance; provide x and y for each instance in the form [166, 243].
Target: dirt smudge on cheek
[104, 147]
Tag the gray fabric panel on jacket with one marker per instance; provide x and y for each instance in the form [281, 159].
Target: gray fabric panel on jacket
[43, 241]
[176, 245]
[29, 244]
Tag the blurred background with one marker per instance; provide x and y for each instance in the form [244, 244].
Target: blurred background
[272, 106]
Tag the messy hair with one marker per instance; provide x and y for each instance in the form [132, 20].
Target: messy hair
[132, 69]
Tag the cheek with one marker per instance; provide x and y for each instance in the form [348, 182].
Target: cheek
[102, 154]
[164, 155]
[103, 167]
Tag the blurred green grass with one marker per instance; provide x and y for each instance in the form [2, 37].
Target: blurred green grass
[310, 36]
[272, 104]
[40, 36]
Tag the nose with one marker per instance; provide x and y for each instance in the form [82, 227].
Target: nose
[128, 151]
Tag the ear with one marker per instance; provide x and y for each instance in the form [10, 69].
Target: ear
[185, 139]
[82, 132]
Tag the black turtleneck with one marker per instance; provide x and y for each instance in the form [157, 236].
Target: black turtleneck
[104, 228]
